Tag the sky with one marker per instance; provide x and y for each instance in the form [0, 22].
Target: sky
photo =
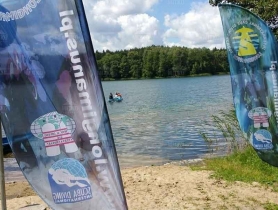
[126, 24]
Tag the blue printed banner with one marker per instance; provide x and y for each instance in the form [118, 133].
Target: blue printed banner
[53, 108]
[252, 53]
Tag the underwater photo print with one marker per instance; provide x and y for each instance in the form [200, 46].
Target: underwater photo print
[53, 108]
[252, 53]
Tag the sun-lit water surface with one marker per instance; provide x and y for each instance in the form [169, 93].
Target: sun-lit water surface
[160, 120]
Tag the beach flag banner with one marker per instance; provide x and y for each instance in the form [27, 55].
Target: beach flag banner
[53, 108]
[252, 52]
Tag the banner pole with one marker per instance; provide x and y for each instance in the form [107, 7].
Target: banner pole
[2, 174]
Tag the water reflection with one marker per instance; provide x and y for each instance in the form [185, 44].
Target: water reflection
[161, 120]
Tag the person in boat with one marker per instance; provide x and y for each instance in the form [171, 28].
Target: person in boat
[119, 95]
[111, 96]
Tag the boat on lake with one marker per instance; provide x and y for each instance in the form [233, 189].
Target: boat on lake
[116, 98]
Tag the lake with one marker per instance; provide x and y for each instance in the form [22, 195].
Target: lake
[160, 120]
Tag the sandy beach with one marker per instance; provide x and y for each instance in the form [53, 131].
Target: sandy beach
[166, 187]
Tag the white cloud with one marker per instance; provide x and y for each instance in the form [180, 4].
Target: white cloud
[117, 8]
[125, 24]
[138, 30]
[134, 31]
[121, 24]
[200, 27]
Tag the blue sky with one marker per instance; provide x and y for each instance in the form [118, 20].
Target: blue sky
[125, 24]
[165, 7]
[170, 7]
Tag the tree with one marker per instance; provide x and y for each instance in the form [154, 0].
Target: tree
[163, 69]
[195, 68]
[135, 62]
[124, 67]
[106, 65]
[153, 61]
[147, 63]
[265, 9]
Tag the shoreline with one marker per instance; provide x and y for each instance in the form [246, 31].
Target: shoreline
[170, 77]
[172, 186]
[13, 172]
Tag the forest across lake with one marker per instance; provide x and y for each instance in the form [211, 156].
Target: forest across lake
[161, 62]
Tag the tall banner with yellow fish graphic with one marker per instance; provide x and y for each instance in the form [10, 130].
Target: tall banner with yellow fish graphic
[53, 108]
[252, 52]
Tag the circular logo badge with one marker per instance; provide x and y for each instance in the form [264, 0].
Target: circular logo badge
[246, 41]
[69, 182]
[262, 140]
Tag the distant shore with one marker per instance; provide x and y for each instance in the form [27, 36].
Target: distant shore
[194, 75]
[173, 186]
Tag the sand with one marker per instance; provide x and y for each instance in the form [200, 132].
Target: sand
[167, 187]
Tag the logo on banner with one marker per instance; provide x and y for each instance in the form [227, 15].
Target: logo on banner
[246, 45]
[21, 12]
[262, 139]
[69, 182]
[260, 116]
[246, 41]
[56, 131]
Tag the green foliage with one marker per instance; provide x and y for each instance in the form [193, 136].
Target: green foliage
[243, 166]
[271, 206]
[162, 62]
[265, 9]
[242, 163]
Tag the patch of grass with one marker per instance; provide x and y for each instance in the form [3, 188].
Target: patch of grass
[270, 206]
[243, 166]
[241, 162]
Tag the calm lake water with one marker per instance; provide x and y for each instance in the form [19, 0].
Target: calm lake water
[160, 120]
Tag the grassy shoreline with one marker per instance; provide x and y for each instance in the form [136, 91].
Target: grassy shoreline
[244, 166]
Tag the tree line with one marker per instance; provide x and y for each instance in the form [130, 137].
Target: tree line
[161, 62]
[265, 9]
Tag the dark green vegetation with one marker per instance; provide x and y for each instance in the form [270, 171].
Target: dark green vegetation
[161, 62]
[241, 162]
[265, 9]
